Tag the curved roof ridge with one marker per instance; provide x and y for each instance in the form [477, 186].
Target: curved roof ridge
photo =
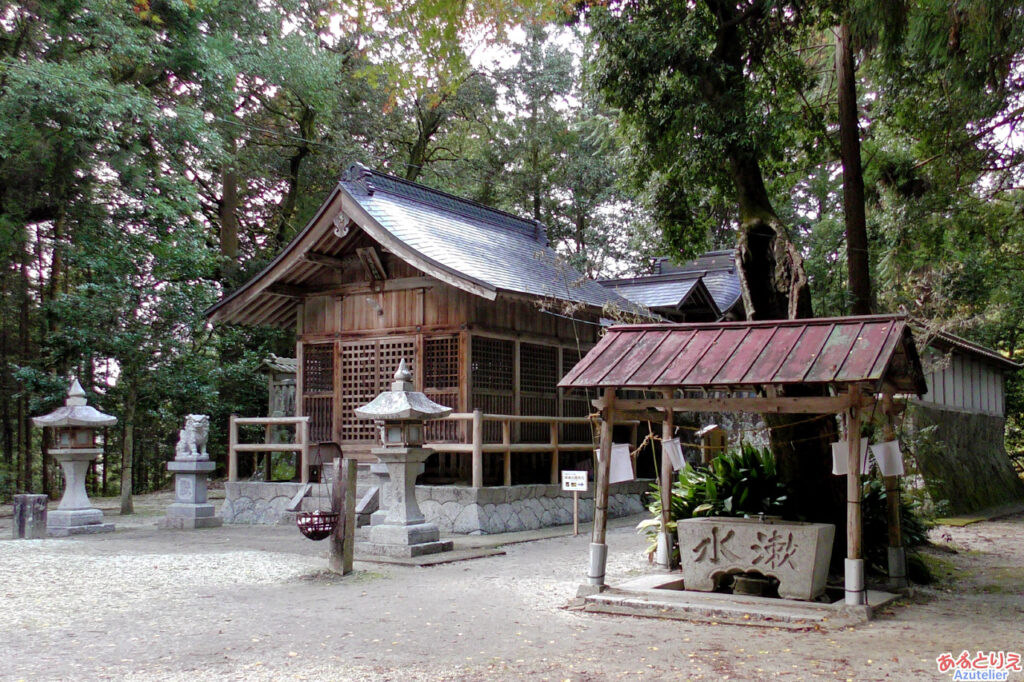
[371, 180]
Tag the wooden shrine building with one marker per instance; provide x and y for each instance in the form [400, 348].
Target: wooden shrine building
[488, 316]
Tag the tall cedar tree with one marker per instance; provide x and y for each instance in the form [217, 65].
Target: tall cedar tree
[690, 79]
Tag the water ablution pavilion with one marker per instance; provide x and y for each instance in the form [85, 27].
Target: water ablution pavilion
[860, 365]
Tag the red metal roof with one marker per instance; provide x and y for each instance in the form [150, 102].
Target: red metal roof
[837, 350]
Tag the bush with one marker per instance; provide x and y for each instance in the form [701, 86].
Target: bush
[914, 530]
[745, 482]
[739, 482]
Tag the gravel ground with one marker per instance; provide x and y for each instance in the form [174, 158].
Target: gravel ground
[253, 603]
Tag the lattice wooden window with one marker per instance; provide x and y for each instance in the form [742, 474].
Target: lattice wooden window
[441, 383]
[367, 368]
[538, 396]
[492, 368]
[575, 403]
[318, 389]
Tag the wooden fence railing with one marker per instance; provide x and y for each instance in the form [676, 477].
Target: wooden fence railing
[477, 447]
[301, 444]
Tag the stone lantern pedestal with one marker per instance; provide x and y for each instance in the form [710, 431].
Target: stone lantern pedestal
[400, 413]
[404, 532]
[74, 429]
[75, 513]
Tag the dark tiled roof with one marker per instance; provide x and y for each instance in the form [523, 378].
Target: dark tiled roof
[483, 243]
[718, 271]
[654, 292]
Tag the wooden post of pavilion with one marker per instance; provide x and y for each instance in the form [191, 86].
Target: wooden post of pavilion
[854, 565]
[598, 548]
[665, 541]
[896, 554]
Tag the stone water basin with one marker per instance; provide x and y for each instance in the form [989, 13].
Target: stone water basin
[797, 554]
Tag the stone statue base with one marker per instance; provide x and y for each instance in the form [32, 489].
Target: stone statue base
[190, 509]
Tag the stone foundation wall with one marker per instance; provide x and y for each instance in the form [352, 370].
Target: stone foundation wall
[454, 509]
[256, 502]
[484, 511]
[961, 459]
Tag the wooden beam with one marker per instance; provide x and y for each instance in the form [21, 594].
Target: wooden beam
[288, 290]
[477, 449]
[854, 578]
[808, 405]
[368, 287]
[330, 261]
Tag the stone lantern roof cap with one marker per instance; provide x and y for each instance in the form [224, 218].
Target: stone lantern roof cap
[75, 412]
[401, 402]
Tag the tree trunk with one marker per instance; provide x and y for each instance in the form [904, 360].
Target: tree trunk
[127, 450]
[306, 131]
[428, 122]
[228, 214]
[773, 283]
[6, 380]
[853, 178]
[24, 339]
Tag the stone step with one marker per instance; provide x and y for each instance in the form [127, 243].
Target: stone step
[640, 597]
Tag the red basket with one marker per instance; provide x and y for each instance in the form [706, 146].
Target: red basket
[317, 525]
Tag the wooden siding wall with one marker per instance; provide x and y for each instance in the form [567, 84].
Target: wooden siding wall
[429, 322]
[960, 382]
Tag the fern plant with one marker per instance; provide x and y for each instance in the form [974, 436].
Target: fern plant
[739, 482]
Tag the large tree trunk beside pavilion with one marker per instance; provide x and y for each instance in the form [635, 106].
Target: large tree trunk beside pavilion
[774, 286]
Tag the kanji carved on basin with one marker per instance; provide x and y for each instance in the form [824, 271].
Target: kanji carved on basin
[795, 553]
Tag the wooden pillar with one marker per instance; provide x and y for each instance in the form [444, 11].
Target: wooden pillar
[897, 557]
[302, 433]
[506, 440]
[478, 448]
[598, 548]
[664, 554]
[232, 452]
[855, 593]
[268, 438]
[554, 453]
[343, 501]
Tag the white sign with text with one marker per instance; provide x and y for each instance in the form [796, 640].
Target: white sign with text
[574, 480]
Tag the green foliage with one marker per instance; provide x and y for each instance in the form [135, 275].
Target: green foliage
[739, 482]
[913, 526]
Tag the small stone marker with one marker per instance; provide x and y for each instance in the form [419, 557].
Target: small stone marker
[191, 466]
[30, 517]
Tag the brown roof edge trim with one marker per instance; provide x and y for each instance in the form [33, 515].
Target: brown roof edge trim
[213, 312]
[754, 324]
[976, 349]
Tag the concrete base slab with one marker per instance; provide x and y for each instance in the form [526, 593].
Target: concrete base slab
[65, 531]
[375, 549]
[185, 523]
[446, 557]
[661, 596]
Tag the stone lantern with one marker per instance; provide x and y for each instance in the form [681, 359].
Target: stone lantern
[74, 446]
[400, 414]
